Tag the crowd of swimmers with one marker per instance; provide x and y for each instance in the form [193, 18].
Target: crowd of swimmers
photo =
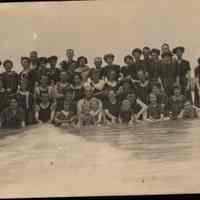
[152, 85]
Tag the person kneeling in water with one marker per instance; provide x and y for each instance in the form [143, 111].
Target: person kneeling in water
[13, 116]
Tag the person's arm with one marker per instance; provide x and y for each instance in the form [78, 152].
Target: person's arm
[110, 116]
[142, 110]
[189, 83]
[37, 110]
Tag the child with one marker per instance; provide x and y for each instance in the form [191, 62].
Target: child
[176, 103]
[111, 108]
[154, 110]
[26, 102]
[9, 78]
[45, 110]
[96, 110]
[189, 111]
[126, 114]
[13, 116]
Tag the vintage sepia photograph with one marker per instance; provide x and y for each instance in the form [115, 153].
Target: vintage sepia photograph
[99, 98]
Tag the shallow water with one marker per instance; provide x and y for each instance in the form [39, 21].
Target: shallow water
[145, 158]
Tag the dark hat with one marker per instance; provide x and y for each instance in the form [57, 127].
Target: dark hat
[82, 57]
[182, 49]
[166, 54]
[157, 51]
[128, 57]
[42, 59]
[146, 47]
[52, 58]
[7, 61]
[136, 50]
[26, 58]
[108, 55]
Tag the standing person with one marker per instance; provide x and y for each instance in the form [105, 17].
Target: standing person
[146, 52]
[128, 69]
[154, 66]
[45, 110]
[165, 48]
[43, 70]
[54, 71]
[83, 68]
[26, 102]
[109, 59]
[183, 72]
[13, 116]
[28, 74]
[70, 63]
[98, 65]
[197, 85]
[168, 73]
[77, 86]
[34, 59]
[9, 78]
[137, 53]
[3, 97]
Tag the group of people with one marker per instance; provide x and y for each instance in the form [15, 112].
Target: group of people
[153, 85]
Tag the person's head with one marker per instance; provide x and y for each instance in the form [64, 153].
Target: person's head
[44, 97]
[109, 58]
[98, 62]
[69, 95]
[42, 62]
[128, 60]
[146, 51]
[112, 75]
[155, 53]
[82, 61]
[141, 75]
[63, 76]
[167, 57]
[52, 60]
[13, 104]
[88, 92]
[25, 62]
[94, 104]
[152, 98]
[165, 48]
[77, 79]
[44, 80]
[179, 51]
[95, 74]
[127, 85]
[66, 105]
[131, 97]
[126, 105]
[156, 87]
[137, 53]
[33, 56]
[111, 95]
[177, 90]
[70, 54]
[8, 65]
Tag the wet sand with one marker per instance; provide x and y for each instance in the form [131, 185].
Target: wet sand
[143, 159]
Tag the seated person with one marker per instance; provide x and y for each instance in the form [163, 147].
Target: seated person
[154, 110]
[13, 116]
[176, 103]
[189, 111]
[45, 110]
[111, 108]
[126, 114]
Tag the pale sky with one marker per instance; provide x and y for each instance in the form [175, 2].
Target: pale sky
[94, 28]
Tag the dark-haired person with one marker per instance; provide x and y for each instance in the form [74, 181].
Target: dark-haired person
[70, 63]
[34, 60]
[165, 48]
[54, 71]
[77, 86]
[26, 101]
[137, 54]
[3, 97]
[183, 72]
[83, 68]
[111, 80]
[13, 116]
[146, 52]
[110, 65]
[45, 110]
[9, 78]
[128, 68]
[28, 74]
[154, 66]
[168, 73]
[43, 70]
[98, 64]
[197, 85]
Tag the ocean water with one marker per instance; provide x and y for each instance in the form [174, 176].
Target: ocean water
[146, 158]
